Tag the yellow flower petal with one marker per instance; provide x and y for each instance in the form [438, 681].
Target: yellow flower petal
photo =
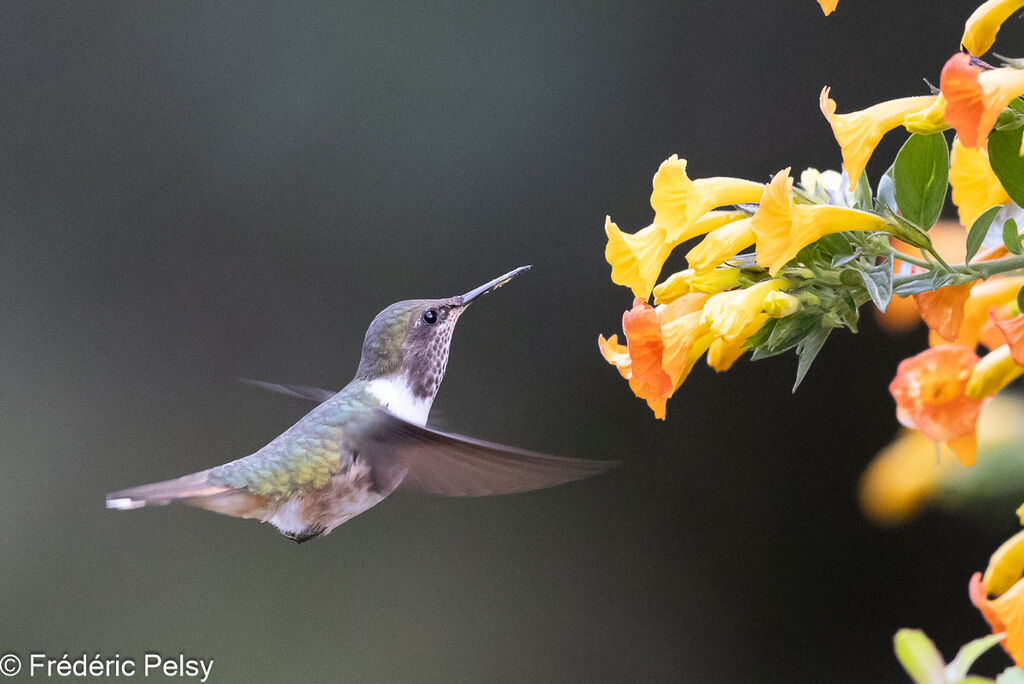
[981, 27]
[723, 353]
[678, 201]
[636, 259]
[858, 133]
[975, 186]
[1005, 566]
[828, 6]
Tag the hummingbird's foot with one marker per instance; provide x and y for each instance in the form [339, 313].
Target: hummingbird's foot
[304, 535]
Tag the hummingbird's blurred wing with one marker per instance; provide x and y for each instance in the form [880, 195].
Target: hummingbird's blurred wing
[452, 465]
[297, 391]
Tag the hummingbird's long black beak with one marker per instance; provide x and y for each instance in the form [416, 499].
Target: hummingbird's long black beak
[493, 285]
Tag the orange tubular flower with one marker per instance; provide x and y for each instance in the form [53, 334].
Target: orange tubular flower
[982, 26]
[930, 394]
[661, 347]
[974, 98]
[783, 228]
[678, 201]
[858, 133]
[984, 295]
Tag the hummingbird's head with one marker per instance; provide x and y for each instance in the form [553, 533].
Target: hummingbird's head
[409, 340]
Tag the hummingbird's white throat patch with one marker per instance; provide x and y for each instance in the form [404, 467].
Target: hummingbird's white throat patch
[396, 395]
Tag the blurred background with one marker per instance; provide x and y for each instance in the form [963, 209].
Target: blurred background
[195, 193]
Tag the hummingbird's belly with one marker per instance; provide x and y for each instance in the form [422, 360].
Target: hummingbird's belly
[345, 496]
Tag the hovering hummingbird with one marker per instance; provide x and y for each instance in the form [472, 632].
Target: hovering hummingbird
[359, 444]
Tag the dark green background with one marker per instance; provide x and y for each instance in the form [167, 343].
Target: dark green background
[195, 192]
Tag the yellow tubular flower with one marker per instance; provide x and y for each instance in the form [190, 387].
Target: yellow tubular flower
[783, 228]
[981, 27]
[736, 315]
[636, 259]
[975, 186]
[859, 132]
[685, 340]
[720, 245]
[927, 121]
[995, 371]
[678, 201]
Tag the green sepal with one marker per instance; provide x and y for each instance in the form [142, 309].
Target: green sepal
[919, 657]
[921, 178]
[1004, 156]
[908, 232]
[979, 230]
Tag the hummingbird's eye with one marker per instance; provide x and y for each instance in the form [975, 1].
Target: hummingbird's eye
[430, 316]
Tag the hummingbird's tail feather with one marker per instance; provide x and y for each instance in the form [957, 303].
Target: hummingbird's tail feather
[194, 490]
[191, 486]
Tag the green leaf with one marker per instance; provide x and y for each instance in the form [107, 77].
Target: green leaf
[1011, 675]
[806, 352]
[1011, 237]
[920, 178]
[968, 653]
[862, 195]
[979, 230]
[919, 657]
[878, 283]
[1004, 156]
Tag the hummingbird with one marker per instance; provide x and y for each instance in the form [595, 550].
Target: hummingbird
[358, 445]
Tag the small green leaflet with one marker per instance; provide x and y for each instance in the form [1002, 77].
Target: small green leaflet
[1011, 237]
[979, 230]
[919, 657]
[920, 178]
[878, 283]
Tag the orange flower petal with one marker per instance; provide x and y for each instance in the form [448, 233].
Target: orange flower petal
[1003, 614]
[965, 448]
[643, 340]
[828, 6]
[929, 390]
[964, 103]
[943, 309]
[1013, 330]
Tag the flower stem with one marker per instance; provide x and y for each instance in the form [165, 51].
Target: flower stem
[909, 259]
[980, 270]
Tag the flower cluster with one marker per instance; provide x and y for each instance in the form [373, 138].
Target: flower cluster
[778, 266]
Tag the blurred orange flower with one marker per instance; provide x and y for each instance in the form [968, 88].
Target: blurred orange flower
[1004, 614]
[929, 390]
[1013, 330]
